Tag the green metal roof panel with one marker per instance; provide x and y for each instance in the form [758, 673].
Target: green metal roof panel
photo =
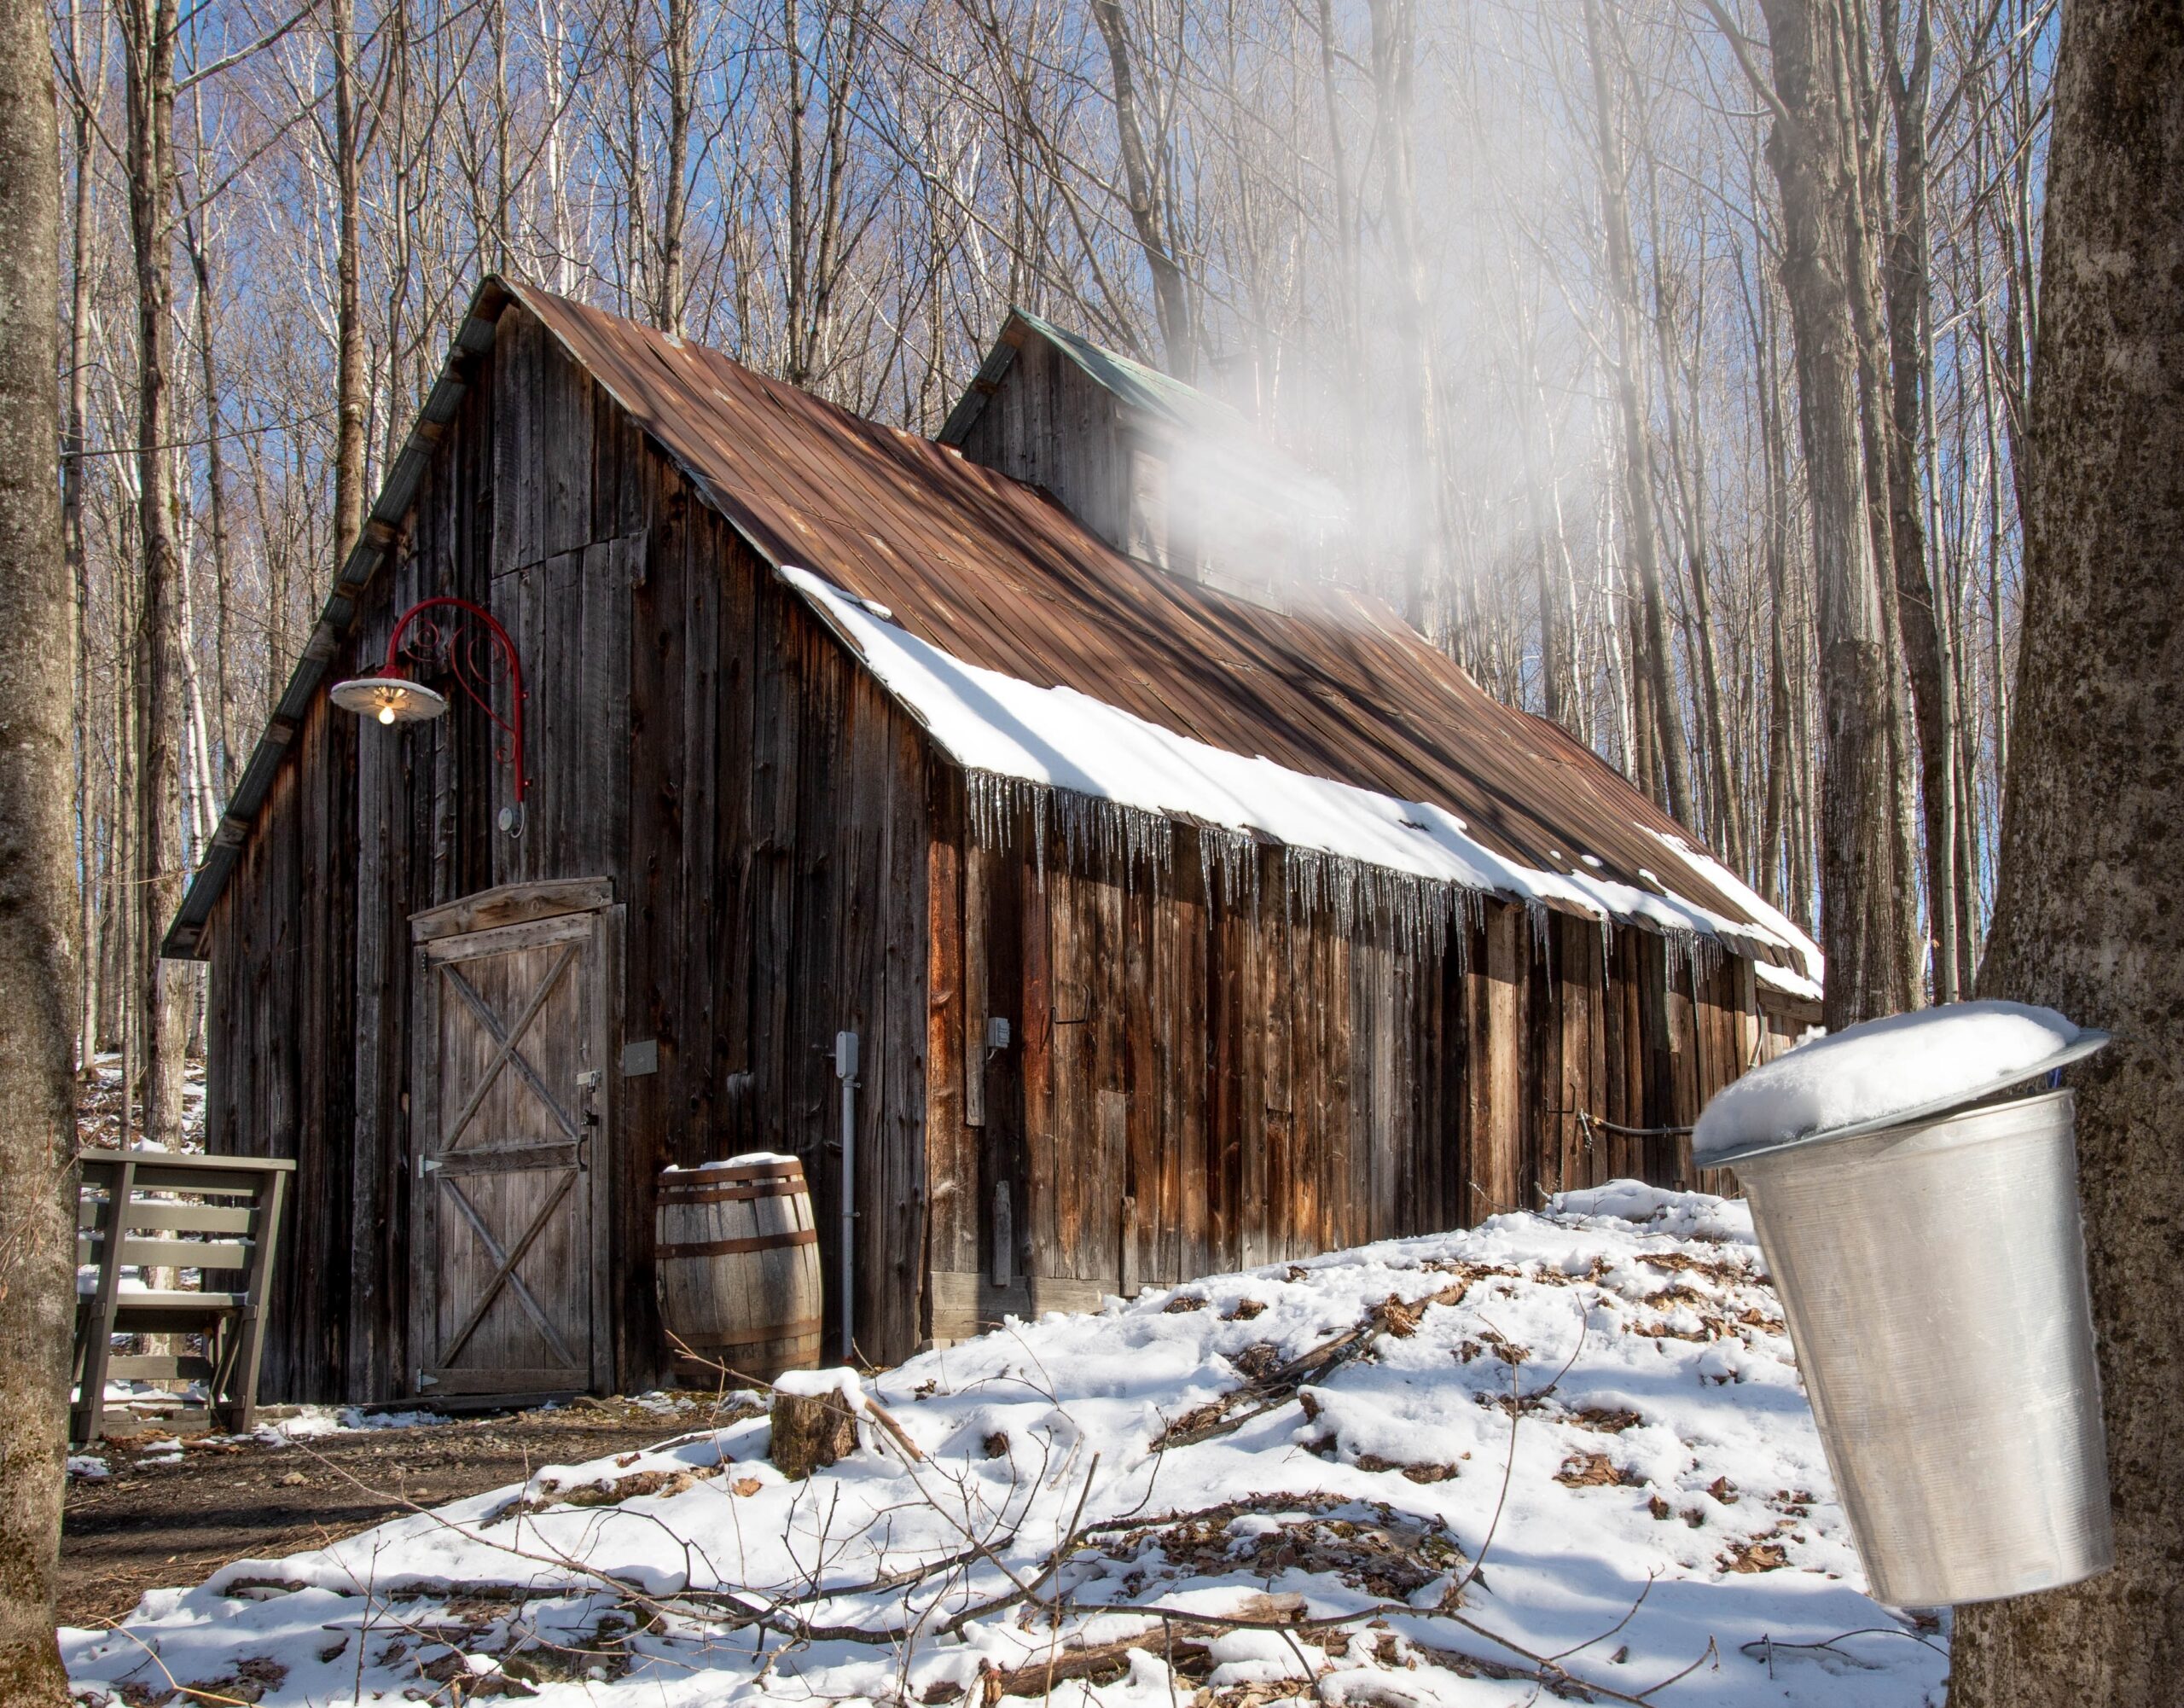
[1139, 387]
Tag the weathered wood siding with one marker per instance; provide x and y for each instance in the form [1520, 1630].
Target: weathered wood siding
[694, 735]
[776, 884]
[1201, 1082]
[280, 1015]
[1050, 424]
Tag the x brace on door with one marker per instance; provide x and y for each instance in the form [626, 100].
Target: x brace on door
[504, 1273]
[506, 1053]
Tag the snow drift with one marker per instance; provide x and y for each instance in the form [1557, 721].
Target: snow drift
[1555, 1450]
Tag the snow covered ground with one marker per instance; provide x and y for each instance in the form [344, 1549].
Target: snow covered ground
[1556, 1455]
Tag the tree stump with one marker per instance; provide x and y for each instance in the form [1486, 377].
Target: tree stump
[810, 1430]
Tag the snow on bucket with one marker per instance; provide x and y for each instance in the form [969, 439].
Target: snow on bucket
[1932, 1265]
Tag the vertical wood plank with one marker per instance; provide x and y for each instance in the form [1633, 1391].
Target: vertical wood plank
[904, 1003]
[1277, 1097]
[1143, 1070]
[1036, 1218]
[952, 1060]
[1255, 1213]
[1104, 1170]
[1306, 1083]
[1001, 1157]
[1072, 1114]
[1501, 1173]
[977, 1006]
[1187, 1116]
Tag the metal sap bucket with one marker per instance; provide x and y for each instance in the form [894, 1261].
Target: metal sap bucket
[1933, 1274]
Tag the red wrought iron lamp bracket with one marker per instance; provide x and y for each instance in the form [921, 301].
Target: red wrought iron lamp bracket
[395, 697]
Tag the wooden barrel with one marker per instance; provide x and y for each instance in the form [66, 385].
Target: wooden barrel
[737, 1259]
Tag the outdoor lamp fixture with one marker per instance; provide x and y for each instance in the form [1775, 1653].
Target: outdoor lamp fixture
[467, 645]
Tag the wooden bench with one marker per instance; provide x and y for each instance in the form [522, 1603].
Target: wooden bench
[219, 1215]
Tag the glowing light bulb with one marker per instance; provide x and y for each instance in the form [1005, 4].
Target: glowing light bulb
[387, 714]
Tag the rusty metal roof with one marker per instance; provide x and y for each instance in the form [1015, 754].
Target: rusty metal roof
[997, 574]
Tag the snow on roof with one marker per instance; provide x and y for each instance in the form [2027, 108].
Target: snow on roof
[1757, 909]
[1880, 1068]
[1063, 739]
[1783, 981]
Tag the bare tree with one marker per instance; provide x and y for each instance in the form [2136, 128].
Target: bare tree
[1139, 144]
[352, 400]
[38, 997]
[1924, 615]
[1423, 550]
[2084, 919]
[1659, 711]
[677, 54]
[148, 29]
[1868, 895]
[74, 535]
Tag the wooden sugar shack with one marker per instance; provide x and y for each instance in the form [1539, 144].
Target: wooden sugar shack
[797, 761]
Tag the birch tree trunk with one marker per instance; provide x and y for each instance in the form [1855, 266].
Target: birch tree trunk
[352, 403]
[2086, 918]
[1557, 695]
[220, 767]
[38, 898]
[1772, 859]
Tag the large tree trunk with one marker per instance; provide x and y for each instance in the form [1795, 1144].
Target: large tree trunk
[38, 898]
[150, 36]
[1867, 890]
[1921, 595]
[97, 873]
[2086, 917]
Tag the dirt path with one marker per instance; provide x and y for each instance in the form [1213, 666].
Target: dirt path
[149, 1526]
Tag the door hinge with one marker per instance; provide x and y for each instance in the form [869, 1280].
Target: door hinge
[426, 1381]
[426, 1164]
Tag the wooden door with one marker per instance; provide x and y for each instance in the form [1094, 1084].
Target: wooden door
[507, 1197]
